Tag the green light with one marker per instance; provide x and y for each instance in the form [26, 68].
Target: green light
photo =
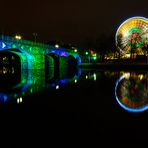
[13, 46]
[32, 55]
[136, 29]
[94, 58]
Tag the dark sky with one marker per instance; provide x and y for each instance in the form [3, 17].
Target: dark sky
[67, 20]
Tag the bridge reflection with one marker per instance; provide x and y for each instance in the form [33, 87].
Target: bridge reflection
[16, 84]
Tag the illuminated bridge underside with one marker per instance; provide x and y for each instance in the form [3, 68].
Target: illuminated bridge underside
[34, 55]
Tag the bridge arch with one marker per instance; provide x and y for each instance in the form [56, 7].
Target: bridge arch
[9, 62]
[51, 60]
[72, 61]
[23, 59]
[51, 66]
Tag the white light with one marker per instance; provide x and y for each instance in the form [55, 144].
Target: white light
[18, 100]
[128, 55]
[75, 50]
[3, 45]
[56, 46]
[95, 77]
[57, 87]
[21, 100]
[18, 37]
[75, 80]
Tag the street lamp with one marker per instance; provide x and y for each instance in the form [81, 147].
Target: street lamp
[18, 37]
[35, 36]
[88, 54]
[56, 46]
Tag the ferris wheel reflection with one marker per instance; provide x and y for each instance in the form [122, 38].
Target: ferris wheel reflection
[131, 91]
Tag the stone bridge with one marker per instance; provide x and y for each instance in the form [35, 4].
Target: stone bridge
[32, 55]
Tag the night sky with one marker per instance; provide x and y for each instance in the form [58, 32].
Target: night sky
[67, 20]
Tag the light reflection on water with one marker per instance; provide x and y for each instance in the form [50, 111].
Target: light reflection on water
[29, 82]
[131, 91]
[131, 88]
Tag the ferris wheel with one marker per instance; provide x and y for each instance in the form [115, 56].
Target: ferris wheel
[132, 35]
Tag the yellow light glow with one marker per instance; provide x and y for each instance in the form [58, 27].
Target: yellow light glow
[18, 37]
[127, 75]
[141, 77]
[18, 100]
[21, 100]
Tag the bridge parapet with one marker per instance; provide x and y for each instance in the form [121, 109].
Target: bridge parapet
[22, 42]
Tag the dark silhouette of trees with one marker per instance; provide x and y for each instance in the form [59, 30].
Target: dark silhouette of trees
[105, 45]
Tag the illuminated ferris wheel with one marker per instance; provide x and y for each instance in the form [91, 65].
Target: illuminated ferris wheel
[132, 35]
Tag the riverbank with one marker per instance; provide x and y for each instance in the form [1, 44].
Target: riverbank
[115, 66]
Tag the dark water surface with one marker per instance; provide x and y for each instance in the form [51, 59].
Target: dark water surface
[84, 107]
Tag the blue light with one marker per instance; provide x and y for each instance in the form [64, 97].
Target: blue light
[3, 97]
[122, 105]
[60, 52]
[61, 82]
[2, 45]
